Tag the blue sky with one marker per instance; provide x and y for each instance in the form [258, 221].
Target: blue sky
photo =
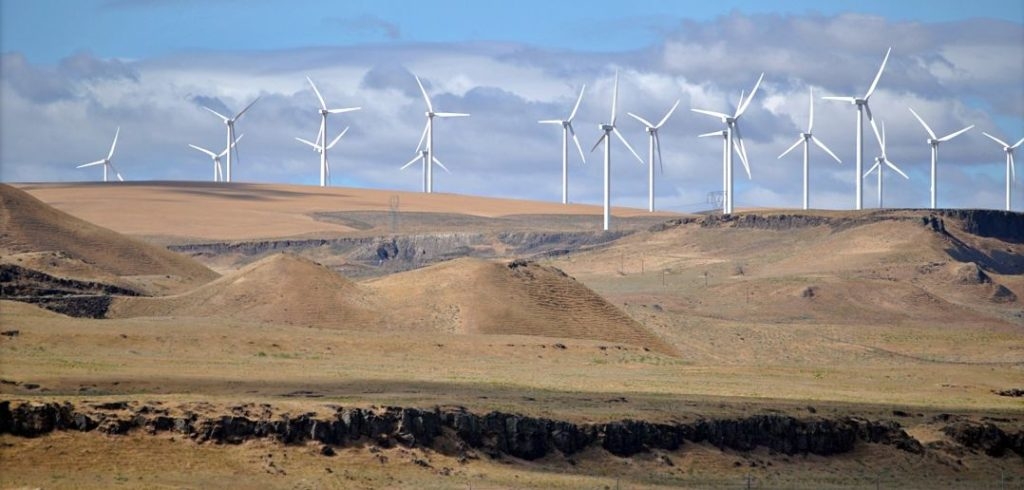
[74, 70]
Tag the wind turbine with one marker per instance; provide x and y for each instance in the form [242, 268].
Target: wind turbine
[732, 134]
[318, 147]
[230, 123]
[106, 161]
[655, 142]
[882, 159]
[218, 172]
[606, 138]
[421, 156]
[934, 141]
[428, 137]
[806, 138]
[322, 135]
[1011, 172]
[567, 129]
[862, 107]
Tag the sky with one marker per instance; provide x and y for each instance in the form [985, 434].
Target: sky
[72, 72]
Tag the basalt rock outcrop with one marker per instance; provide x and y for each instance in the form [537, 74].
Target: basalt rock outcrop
[495, 434]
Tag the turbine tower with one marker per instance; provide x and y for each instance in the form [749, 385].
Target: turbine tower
[879, 161]
[230, 123]
[732, 135]
[862, 107]
[606, 138]
[934, 141]
[1011, 172]
[652, 144]
[428, 136]
[325, 167]
[724, 133]
[322, 135]
[806, 138]
[567, 129]
[218, 172]
[106, 161]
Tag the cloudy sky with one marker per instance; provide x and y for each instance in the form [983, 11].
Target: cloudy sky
[73, 71]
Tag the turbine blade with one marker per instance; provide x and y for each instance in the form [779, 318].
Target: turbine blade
[336, 138]
[114, 144]
[430, 107]
[1013, 170]
[550, 121]
[451, 114]
[878, 136]
[316, 146]
[599, 140]
[997, 140]
[823, 147]
[631, 150]
[1017, 143]
[91, 164]
[222, 116]
[873, 168]
[415, 159]
[615, 97]
[878, 77]
[841, 99]
[746, 103]
[667, 115]
[711, 113]
[713, 133]
[576, 107]
[340, 111]
[897, 169]
[577, 141]
[116, 173]
[791, 148]
[239, 138]
[423, 136]
[926, 127]
[742, 150]
[642, 120]
[439, 164]
[204, 150]
[661, 161]
[319, 97]
[958, 133]
[320, 137]
[257, 99]
[810, 118]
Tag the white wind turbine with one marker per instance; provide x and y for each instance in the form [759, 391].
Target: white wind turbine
[1011, 172]
[879, 161]
[428, 137]
[322, 135]
[653, 143]
[421, 156]
[567, 130]
[862, 107]
[606, 138]
[317, 147]
[218, 172]
[230, 123]
[732, 134]
[106, 161]
[806, 138]
[934, 141]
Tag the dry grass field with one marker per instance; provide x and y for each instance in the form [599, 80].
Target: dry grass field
[869, 314]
